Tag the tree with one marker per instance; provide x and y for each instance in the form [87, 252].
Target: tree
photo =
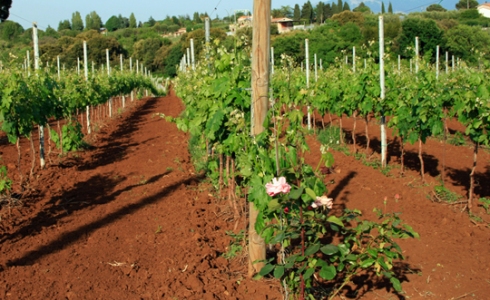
[11, 30]
[362, 8]
[307, 12]
[93, 21]
[335, 9]
[297, 13]
[146, 49]
[76, 21]
[466, 4]
[340, 6]
[327, 11]
[51, 32]
[349, 17]
[112, 24]
[390, 8]
[320, 10]
[63, 25]
[287, 11]
[276, 13]
[132, 21]
[196, 18]
[435, 7]
[5, 9]
[463, 40]
[383, 11]
[123, 22]
[151, 22]
[428, 32]
[346, 7]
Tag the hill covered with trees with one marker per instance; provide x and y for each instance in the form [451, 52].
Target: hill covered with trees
[335, 28]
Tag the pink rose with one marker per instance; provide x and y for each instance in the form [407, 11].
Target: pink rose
[323, 201]
[277, 186]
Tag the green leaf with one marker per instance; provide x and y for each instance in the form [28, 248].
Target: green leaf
[273, 205]
[308, 273]
[335, 220]
[266, 269]
[295, 194]
[278, 272]
[311, 193]
[260, 223]
[328, 272]
[367, 263]
[396, 284]
[330, 249]
[312, 250]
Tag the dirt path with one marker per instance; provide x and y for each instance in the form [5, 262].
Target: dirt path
[130, 219]
[125, 220]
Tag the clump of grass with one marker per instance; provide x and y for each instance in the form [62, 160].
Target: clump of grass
[236, 246]
[331, 138]
[457, 139]
[485, 202]
[198, 153]
[442, 194]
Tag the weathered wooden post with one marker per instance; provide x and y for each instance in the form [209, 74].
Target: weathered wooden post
[260, 101]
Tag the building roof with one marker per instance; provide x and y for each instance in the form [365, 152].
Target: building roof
[281, 20]
[484, 5]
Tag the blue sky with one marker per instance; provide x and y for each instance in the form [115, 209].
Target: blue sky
[51, 12]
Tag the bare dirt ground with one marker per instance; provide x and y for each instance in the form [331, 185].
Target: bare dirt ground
[129, 218]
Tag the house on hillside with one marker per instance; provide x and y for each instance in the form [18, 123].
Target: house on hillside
[283, 24]
[484, 10]
[180, 32]
[241, 22]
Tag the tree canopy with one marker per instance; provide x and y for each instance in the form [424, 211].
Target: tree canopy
[5, 9]
[435, 7]
[466, 4]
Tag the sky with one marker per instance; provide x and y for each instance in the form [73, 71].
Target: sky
[51, 12]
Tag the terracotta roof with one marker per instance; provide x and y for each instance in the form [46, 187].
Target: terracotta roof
[484, 5]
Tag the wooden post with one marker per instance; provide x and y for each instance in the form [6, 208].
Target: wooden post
[260, 101]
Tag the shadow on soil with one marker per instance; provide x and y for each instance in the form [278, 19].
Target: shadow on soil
[116, 151]
[339, 207]
[462, 178]
[369, 281]
[68, 238]
[95, 191]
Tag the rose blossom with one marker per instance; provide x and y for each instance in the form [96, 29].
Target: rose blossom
[323, 201]
[277, 186]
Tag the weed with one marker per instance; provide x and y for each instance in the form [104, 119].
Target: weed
[485, 202]
[169, 169]
[456, 139]
[375, 164]
[159, 229]
[236, 246]
[143, 180]
[476, 218]
[330, 137]
[197, 150]
[442, 194]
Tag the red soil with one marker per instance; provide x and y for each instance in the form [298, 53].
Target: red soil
[130, 219]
